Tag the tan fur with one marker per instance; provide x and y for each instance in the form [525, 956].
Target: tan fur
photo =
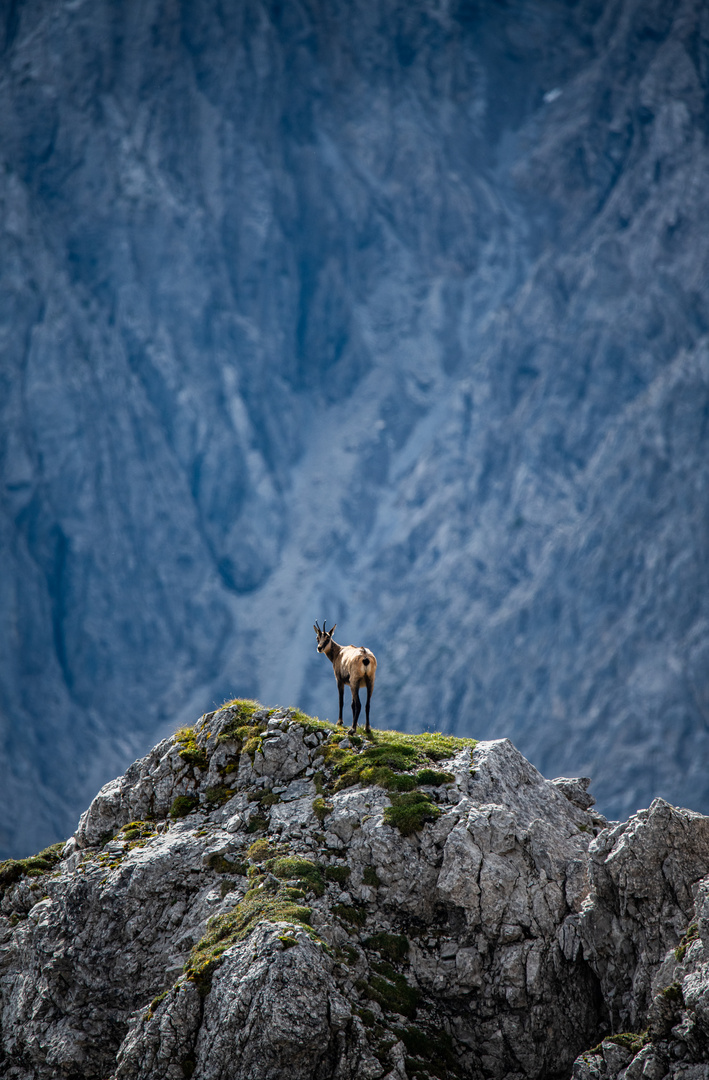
[351, 669]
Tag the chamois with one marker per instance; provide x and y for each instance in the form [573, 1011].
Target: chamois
[353, 665]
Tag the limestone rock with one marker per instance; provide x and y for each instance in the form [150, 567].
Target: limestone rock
[239, 904]
[350, 950]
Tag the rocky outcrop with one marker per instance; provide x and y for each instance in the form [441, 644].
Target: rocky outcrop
[397, 310]
[263, 896]
[645, 932]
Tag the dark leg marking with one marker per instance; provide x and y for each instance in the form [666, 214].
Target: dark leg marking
[368, 684]
[356, 707]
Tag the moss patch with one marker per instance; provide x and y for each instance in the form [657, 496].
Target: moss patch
[629, 1040]
[217, 796]
[673, 993]
[155, 1003]
[393, 760]
[434, 779]
[410, 812]
[321, 809]
[260, 850]
[225, 866]
[390, 990]
[191, 751]
[306, 873]
[356, 916]
[183, 805]
[393, 947]
[260, 904]
[34, 866]
[340, 874]
[431, 1053]
[691, 934]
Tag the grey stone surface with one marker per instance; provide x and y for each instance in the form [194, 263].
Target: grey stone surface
[391, 314]
[510, 934]
[91, 967]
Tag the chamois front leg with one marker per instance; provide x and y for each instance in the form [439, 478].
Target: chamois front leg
[341, 692]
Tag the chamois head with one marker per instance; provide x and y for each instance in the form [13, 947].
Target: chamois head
[324, 635]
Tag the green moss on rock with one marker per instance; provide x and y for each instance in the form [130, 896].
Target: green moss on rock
[191, 751]
[393, 947]
[259, 905]
[306, 873]
[691, 934]
[183, 805]
[340, 874]
[409, 812]
[34, 866]
[356, 916]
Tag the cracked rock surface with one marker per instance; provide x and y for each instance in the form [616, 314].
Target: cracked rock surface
[261, 896]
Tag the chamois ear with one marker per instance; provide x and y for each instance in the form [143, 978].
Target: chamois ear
[332, 630]
[316, 628]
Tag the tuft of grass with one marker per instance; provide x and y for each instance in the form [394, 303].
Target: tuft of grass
[183, 805]
[34, 866]
[259, 905]
[410, 812]
[384, 777]
[257, 824]
[321, 809]
[432, 1052]
[431, 744]
[691, 934]
[433, 778]
[305, 872]
[154, 1004]
[224, 866]
[629, 1040]
[367, 1017]
[137, 833]
[242, 711]
[673, 993]
[217, 796]
[390, 758]
[287, 942]
[391, 991]
[259, 851]
[191, 751]
[356, 916]
[340, 874]
[393, 947]
[268, 800]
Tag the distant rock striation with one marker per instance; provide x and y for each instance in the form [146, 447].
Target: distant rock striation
[263, 896]
[393, 315]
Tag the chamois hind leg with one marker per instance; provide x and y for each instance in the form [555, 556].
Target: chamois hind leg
[370, 687]
[356, 708]
[341, 692]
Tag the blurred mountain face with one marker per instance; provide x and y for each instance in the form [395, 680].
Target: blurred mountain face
[390, 314]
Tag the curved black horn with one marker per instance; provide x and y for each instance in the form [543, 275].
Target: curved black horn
[316, 628]
[324, 626]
